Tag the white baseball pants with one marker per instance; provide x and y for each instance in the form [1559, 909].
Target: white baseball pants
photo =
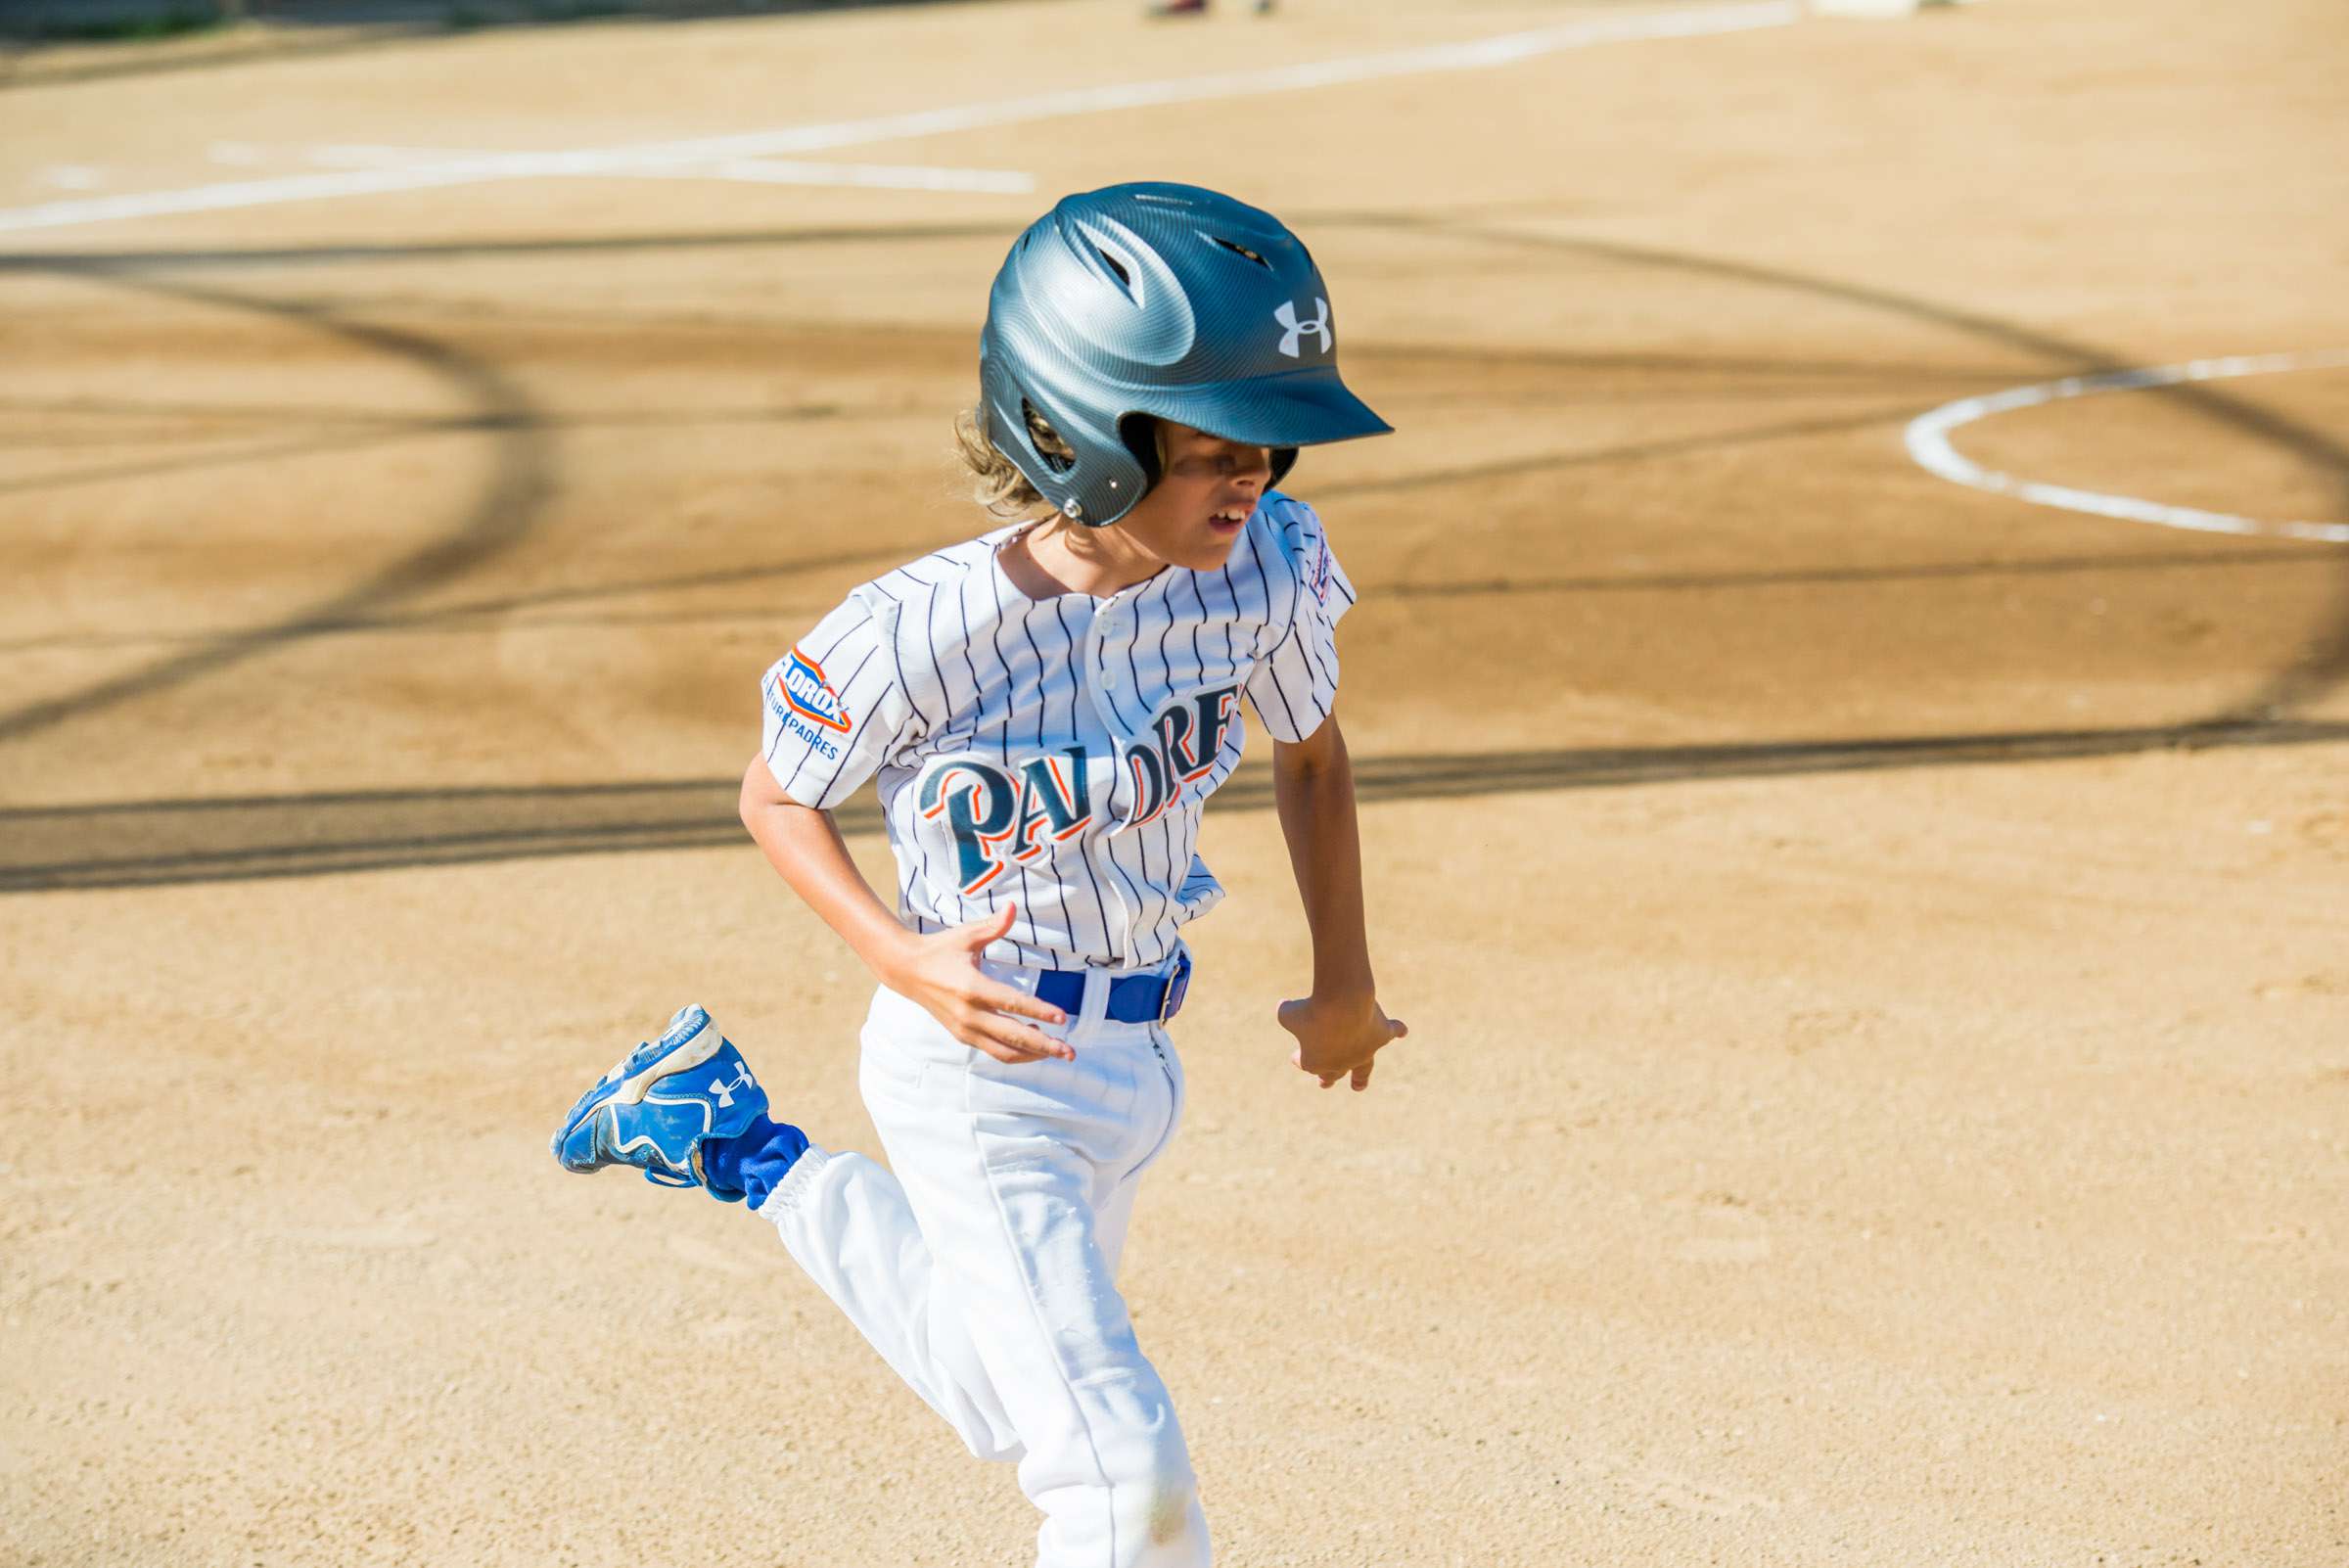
[985, 1269]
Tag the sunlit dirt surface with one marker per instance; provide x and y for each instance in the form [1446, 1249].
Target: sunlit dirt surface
[1878, 1089]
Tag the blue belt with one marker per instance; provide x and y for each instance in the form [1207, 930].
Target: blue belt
[1134, 1000]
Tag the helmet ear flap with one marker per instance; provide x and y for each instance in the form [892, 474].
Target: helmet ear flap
[1139, 432]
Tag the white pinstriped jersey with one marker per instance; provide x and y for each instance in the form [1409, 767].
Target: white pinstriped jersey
[1058, 752]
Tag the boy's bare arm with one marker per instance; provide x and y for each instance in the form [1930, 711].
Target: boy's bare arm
[940, 971]
[1340, 1028]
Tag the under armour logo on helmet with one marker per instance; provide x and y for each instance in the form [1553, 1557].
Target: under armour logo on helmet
[1294, 329]
[725, 1090]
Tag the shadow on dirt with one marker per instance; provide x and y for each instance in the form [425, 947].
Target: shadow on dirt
[160, 843]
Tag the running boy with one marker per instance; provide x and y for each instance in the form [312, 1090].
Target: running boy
[1047, 708]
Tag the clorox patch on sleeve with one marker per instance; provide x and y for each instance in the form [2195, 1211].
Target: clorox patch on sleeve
[806, 692]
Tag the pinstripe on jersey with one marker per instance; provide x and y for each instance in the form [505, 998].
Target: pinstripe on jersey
[1058, 752]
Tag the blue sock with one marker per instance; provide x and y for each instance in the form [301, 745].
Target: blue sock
[754, 1163]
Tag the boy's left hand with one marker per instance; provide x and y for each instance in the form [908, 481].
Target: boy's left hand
[1337, 1036]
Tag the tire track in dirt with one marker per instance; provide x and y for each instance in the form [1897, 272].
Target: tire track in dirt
[310, 834]
[265, 836]
[2321, 670]
[504, 511]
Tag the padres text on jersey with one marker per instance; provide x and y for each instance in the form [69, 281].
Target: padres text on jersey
[1058, 752]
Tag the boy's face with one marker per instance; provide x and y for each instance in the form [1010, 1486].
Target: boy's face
[1207, 488]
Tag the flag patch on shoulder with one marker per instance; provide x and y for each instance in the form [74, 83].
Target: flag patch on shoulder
[1319, 578]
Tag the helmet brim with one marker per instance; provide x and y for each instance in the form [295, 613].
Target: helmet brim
[1304, 408]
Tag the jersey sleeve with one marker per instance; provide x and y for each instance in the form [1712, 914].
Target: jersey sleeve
[835, 705]
[1295, 682]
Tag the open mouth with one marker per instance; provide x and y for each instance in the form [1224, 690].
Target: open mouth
[1231, 520]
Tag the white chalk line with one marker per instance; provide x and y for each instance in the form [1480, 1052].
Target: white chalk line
[1469, 55]
[753, 170]
[1929, 439]
[863, 176]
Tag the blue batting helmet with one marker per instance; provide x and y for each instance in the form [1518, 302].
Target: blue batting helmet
[1162, 301]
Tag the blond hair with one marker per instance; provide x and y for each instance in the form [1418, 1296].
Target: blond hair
[997, 482]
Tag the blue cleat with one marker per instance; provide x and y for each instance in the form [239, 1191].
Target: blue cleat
[656, 1108]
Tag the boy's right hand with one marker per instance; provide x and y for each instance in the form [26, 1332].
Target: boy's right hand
[941, 971]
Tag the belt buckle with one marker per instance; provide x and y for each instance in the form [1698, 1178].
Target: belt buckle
[1178, 986]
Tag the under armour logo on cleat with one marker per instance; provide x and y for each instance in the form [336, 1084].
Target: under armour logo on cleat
[725, 1090]
[1294, 329]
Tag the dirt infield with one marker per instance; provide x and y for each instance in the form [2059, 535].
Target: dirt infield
[1878, 1089]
